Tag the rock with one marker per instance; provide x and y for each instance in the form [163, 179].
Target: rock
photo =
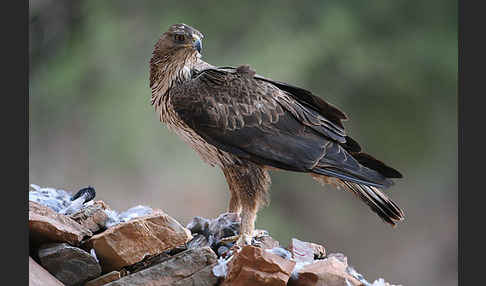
[306, 251]
[326, 272]
[265, 242]
[104, 279]
[225, 225]
[203, 277]
[222, 251]
[198, 225]
[339, 256]
[319, 250]
[38, 276]
[46, 225]
[92, 217]
[69, 264]
[256, 266]
[280, 251]
[130, 242]
[191, 266]
[198, 241]
[301, 251]
[147, 262]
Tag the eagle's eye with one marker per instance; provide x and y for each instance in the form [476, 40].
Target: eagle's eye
[179, 38]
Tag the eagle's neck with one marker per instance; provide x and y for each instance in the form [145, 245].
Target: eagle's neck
[169, 70]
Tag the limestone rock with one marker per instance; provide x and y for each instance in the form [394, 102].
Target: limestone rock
[303, 251]
[38, 276]
[319, 250]
[327, 272]
[203, 277]
[69, 264]
[130, 242]
[46, 225]
[190, 267]
[256, 266]
[104, 279]
[265, 242]
[92, 217]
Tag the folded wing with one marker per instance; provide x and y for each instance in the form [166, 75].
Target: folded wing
[273, 124]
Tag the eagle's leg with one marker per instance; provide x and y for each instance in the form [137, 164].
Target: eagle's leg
[234, 203]
[248, 184]
[248, 218]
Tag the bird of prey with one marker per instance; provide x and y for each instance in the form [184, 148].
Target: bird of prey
[248, 124]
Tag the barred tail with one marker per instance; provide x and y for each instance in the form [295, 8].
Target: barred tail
[377, 201]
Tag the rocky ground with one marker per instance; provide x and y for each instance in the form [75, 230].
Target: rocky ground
[75, 240]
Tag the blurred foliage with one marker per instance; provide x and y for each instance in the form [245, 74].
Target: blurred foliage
[390, 65]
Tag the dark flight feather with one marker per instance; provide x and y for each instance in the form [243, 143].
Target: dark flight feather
[257, 121]
[377, 201]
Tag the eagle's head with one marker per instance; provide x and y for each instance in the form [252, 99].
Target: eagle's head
[174, 55]
[180, 39]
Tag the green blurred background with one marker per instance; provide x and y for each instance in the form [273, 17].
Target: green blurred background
[390, 65]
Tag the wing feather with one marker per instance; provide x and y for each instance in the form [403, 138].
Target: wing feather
[258, 121]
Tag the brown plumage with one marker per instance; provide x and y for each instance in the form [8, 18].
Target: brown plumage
[246, 124]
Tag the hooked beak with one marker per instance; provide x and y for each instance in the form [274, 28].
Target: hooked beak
[197, 44]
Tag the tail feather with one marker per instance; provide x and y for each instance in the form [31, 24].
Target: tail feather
[332, 172]
[377, 201]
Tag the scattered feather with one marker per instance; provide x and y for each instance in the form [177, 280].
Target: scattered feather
[221, 269]
[93, 253]
[280, 251]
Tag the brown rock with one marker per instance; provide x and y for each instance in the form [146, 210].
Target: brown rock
[130, 242]
[104, 279]
[38, 276]
[46, 225]
[326, 272]
[256, 266]
[190, 266]
[92, 217]
[69, 264]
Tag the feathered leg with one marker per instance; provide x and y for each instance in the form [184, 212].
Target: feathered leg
[248, 184]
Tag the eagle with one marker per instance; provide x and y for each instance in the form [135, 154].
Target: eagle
[248, 124]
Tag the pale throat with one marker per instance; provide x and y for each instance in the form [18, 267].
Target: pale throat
[183, 69]
[172, 73]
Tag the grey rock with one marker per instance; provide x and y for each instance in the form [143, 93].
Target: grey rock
[204, 277]
[198, 225]
[183, 266]
[104, 279]
[92, 217]
[69, 264]
[225, 225]
[38, 276]
[198, 241]
[214, 230]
